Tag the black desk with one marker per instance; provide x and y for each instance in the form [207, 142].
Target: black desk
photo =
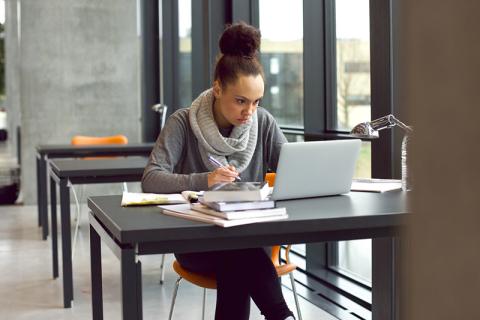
[46, 152]
[78, 171]
[135, 231]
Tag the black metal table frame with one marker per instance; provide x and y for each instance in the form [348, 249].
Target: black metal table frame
[46, 152]
[385, 243]
[64, 194]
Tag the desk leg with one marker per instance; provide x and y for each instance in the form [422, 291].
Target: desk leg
[384, 282]
[66, 243]
[96, 273]
[139, 290]
[38, 192]
[53, 207]
[131, 285]
[42, 200]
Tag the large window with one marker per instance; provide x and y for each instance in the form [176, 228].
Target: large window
[282, 59]
[328, 67]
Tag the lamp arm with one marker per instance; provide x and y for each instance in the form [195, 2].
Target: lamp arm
[389, 121]
[402, 125]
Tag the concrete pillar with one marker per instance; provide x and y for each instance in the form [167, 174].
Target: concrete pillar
[78, 73]
[12, 79]
[439, 65]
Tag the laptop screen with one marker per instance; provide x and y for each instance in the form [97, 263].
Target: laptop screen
[318, 168]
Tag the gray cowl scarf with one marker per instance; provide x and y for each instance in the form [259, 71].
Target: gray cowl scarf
[239, 147]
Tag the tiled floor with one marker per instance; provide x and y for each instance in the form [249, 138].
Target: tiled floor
[28, 290]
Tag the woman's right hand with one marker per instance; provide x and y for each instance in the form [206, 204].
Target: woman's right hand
[223, 174]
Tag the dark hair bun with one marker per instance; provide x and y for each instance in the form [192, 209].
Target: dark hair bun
[240, 39]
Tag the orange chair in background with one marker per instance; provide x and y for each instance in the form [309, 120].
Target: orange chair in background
[85, 141]
[209, 281]
[88, 140]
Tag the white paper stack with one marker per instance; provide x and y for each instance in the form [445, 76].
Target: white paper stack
[214, 217]
[375, 185]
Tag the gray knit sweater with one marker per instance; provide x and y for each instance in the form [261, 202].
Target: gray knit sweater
[175, 164]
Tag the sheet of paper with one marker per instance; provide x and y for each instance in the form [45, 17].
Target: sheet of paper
[375, 185]
[136, 199]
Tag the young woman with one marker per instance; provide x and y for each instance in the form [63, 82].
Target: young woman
[225, 122]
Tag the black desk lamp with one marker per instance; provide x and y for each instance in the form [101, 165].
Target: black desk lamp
[369, 130]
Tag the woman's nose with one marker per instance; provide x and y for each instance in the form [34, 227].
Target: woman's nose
[249, 109]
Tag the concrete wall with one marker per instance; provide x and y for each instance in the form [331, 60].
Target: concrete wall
[76, 72]
[440, 66]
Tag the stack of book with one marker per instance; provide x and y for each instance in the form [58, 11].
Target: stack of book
[231, 204]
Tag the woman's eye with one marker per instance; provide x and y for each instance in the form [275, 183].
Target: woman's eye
[257, 102]
[240, 101]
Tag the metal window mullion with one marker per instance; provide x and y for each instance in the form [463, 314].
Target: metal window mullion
[247, 11]
[150, 68]
[330, 66]
[208, 22]
[200, 51]
[219, 15]
[381, 85]
[314, 68]
[170, 53]
[397, 107]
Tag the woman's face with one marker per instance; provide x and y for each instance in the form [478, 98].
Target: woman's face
[236, 102]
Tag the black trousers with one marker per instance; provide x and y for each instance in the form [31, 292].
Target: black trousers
[241, 275]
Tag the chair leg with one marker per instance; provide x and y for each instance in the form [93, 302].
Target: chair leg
[162, 269]
[295, 296]
[78, 218]
[177, 283]
[204, 302]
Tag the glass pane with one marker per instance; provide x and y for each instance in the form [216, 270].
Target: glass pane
[281, 24]
[355, 259]
[299, 249]
[291, 137]
[185, 54]
[353, 63]
[363, 168]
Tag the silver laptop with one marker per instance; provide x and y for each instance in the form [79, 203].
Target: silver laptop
[312, 169]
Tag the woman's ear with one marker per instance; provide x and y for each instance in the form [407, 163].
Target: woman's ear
[217, 89]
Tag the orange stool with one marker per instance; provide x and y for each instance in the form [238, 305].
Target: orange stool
[208, 281]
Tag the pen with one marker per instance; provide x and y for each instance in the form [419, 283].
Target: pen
[219, 164]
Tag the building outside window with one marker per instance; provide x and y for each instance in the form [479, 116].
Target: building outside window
[282, 59]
